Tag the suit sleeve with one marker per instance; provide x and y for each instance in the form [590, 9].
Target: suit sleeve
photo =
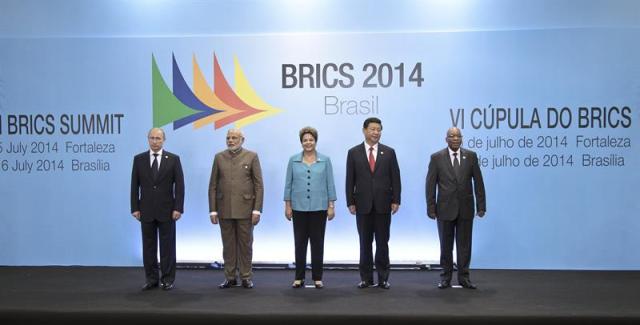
[288, 181]
[350, 179]
[135, 188]
[258, 186]
[213, 185]
[395, 179]
[331, 186]
[430, 187]
[178, 186]
[478, 185]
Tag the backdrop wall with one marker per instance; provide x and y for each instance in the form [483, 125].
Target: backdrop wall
[546, 92]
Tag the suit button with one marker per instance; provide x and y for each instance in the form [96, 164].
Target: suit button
[308, 177]
[308, 190]
[308, 197]
[308, 171]
[308, 183]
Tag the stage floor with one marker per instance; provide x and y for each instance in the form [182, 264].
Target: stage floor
[112, 295]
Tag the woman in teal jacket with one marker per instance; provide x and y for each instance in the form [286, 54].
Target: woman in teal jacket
[309, 197]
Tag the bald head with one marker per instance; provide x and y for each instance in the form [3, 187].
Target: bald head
[454, 130]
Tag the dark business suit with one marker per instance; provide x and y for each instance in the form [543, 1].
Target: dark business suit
[454, 206]
[156, 198]
[372, 193]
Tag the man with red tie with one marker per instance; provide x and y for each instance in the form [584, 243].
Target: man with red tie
[373, 195]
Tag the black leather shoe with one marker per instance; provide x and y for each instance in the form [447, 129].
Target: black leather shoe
[247, 284]
[227, 284]
[444, 284]
[149, 286]
[468, 285]
[167, 286]
[364, 284]
[384, 285]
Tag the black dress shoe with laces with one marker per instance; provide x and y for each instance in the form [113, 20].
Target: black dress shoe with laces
[247, 284]
[149, 286]
[167, 286]
[227, 284]
[467, 284]
[364, 284]
[384, 285]
[444, 284]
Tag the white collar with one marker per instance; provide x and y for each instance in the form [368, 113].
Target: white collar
[159, 153]
[367, 146]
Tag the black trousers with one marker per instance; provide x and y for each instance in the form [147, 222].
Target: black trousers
[309, 227]
[461, 230]
[167, 234]
[374, 226]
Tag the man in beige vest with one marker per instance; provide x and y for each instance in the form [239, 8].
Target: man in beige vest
[235, 202]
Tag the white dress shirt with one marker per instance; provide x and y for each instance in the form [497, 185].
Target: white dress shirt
[375, 150]
[159, 157]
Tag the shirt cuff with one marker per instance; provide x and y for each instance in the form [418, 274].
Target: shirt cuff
[256, 212]
[213, 214]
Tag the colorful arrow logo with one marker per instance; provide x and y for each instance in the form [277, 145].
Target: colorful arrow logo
[203, 105]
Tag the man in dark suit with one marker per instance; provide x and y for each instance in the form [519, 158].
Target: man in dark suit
[157, 199]
[454, 175]
[373, 195]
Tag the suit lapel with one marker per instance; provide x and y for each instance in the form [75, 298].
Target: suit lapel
[447, 161]
[365, 155]
[379, 156]
[146, 167]
[463, 160]
[164, 165]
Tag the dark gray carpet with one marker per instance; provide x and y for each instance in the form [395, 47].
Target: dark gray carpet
[89, 295]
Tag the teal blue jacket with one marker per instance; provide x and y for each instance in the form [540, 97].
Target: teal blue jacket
[309, 187]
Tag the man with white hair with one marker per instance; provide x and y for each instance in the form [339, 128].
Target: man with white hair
[235, 202]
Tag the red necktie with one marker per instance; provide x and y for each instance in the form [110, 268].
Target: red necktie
[372, 161]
